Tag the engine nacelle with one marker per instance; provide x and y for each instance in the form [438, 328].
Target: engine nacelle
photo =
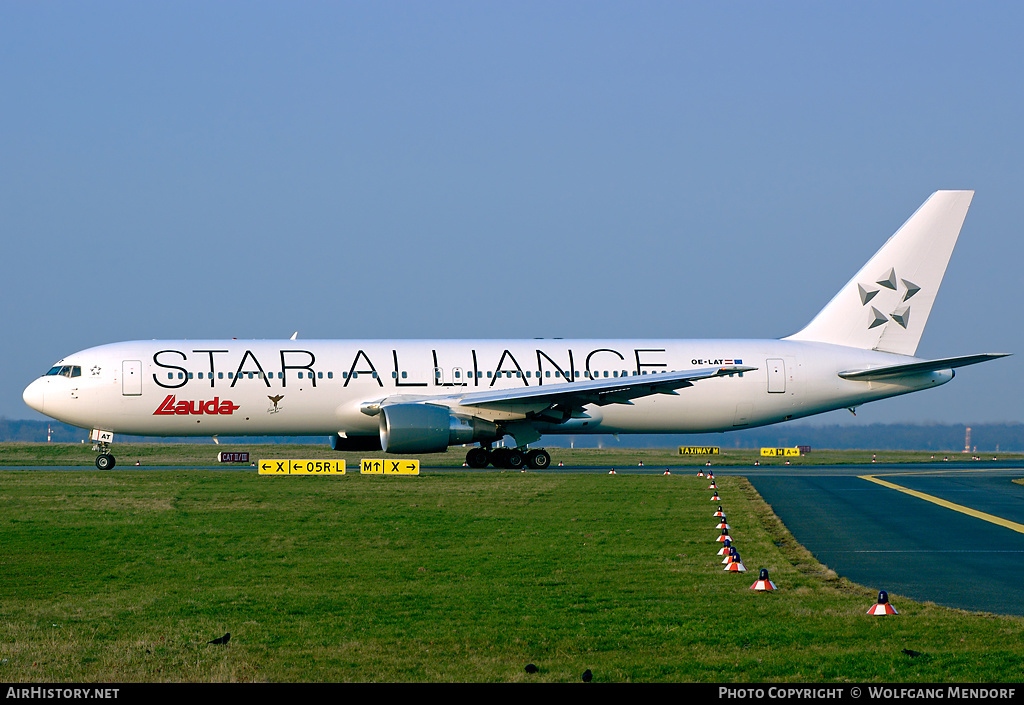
[426, 428]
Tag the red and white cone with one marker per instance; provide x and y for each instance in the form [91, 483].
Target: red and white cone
[725, 536]
[731, 557]
[715, 497]
[719, 513]
[762, 582]
[736, 566]
[724, 550]
[712, 486]
[723, 525]
[882, 606]
[700, 473]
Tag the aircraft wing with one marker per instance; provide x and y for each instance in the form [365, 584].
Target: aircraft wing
[918, 367]
[619, 390]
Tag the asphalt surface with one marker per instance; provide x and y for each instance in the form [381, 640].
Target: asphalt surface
[908, 545]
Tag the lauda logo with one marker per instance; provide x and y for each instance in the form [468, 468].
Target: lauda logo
[184, 408]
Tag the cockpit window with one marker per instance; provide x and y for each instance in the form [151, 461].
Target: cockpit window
[65, 371]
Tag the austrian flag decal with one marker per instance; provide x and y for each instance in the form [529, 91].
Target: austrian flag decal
[213, 407]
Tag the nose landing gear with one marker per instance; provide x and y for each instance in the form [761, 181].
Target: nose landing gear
[101, 442]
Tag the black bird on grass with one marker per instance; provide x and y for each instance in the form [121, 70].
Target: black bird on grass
[221, 640]
[530, 668]
[587, 676]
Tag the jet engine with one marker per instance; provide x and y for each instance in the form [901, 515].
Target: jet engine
[426, 428]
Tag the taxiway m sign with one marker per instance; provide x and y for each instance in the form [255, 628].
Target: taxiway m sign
[699, 450]
[381, 466]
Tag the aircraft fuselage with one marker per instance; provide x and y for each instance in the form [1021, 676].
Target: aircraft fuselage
[318, 387]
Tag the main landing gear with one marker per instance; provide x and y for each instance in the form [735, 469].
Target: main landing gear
[508, 458]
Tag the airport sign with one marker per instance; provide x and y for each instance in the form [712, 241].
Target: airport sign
[301, 467]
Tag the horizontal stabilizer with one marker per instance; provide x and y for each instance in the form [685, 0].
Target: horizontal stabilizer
[916, 368]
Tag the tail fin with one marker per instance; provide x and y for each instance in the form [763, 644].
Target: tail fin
[886, 305]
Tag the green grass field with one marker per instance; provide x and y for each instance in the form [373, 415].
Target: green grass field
[125, 575]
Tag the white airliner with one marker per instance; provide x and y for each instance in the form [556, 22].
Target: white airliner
[423, 396]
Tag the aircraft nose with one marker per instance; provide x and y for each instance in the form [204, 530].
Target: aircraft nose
[34, 393]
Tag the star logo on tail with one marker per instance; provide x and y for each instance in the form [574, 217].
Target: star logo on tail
[896, 302]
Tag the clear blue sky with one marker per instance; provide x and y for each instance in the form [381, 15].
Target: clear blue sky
[493, 169]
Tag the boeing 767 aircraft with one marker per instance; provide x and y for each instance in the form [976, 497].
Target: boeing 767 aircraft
[422, 396]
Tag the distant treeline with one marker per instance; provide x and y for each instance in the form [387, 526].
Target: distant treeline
[36, 432]
[986, 438]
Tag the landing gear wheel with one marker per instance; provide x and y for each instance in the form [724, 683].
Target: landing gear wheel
[538, 459]
[514, 459]
[508, 458]
[478, 458]
[105, 461]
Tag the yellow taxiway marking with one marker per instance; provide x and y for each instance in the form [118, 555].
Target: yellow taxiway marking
[1019, 528]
